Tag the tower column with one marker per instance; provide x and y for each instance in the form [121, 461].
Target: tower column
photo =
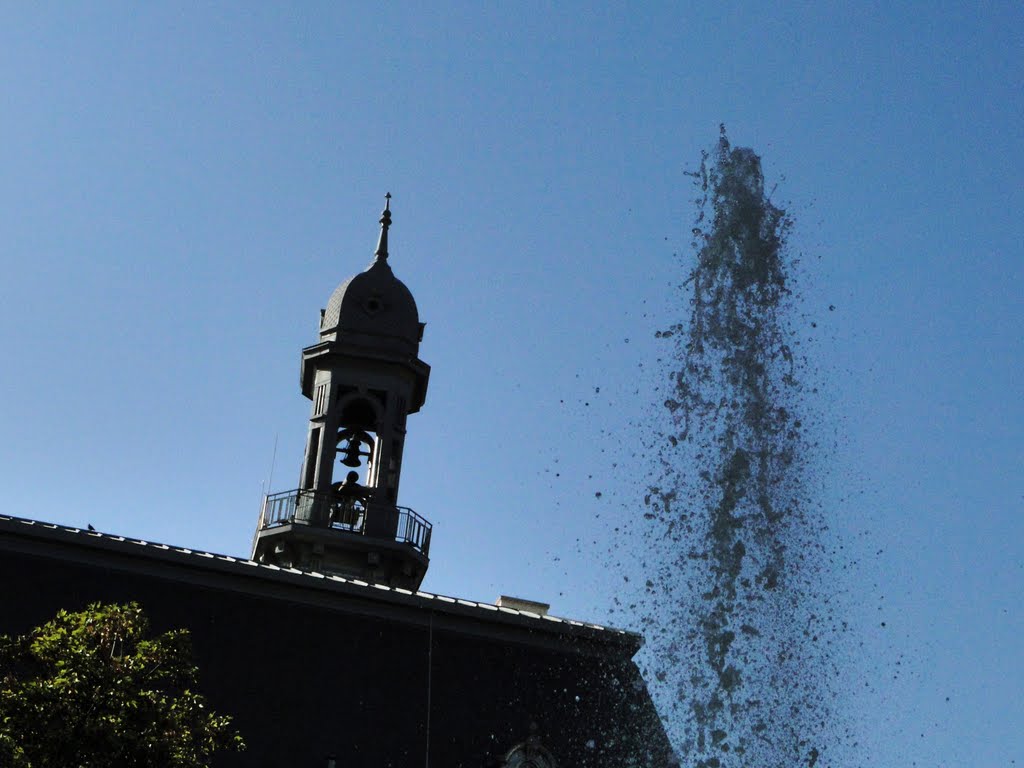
[328, 444]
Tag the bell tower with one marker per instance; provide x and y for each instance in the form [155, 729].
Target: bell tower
[364, 377]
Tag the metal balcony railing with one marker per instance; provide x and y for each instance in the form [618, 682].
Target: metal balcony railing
[328, 510]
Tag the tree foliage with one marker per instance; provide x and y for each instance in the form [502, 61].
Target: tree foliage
[90, 690]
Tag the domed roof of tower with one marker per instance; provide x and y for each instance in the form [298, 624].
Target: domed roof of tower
[374, 303]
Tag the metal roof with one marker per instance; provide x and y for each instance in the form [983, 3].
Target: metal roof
[486, 612]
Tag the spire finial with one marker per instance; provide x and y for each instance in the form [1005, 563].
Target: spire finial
[385, 222]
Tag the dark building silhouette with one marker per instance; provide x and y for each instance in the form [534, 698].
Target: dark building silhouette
[364, 378]
[320, 646]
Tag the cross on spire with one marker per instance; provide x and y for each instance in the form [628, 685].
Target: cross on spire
[385, 222]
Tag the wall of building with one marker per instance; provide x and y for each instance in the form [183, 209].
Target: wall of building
[305, 681]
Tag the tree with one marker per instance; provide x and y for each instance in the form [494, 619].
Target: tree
[89, 690]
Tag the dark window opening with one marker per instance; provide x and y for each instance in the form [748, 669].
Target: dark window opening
[359, 413]
[312, 457]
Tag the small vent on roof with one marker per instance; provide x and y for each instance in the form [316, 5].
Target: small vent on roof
[518, 604]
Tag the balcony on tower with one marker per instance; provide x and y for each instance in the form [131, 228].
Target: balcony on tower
[344, 535]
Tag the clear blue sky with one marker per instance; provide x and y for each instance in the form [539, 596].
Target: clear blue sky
[182, 188]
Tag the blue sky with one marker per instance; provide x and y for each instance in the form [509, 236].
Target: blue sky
[183, 187]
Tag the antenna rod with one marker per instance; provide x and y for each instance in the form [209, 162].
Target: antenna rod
[270, 480]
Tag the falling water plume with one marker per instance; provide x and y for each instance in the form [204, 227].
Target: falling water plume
[737, 639]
